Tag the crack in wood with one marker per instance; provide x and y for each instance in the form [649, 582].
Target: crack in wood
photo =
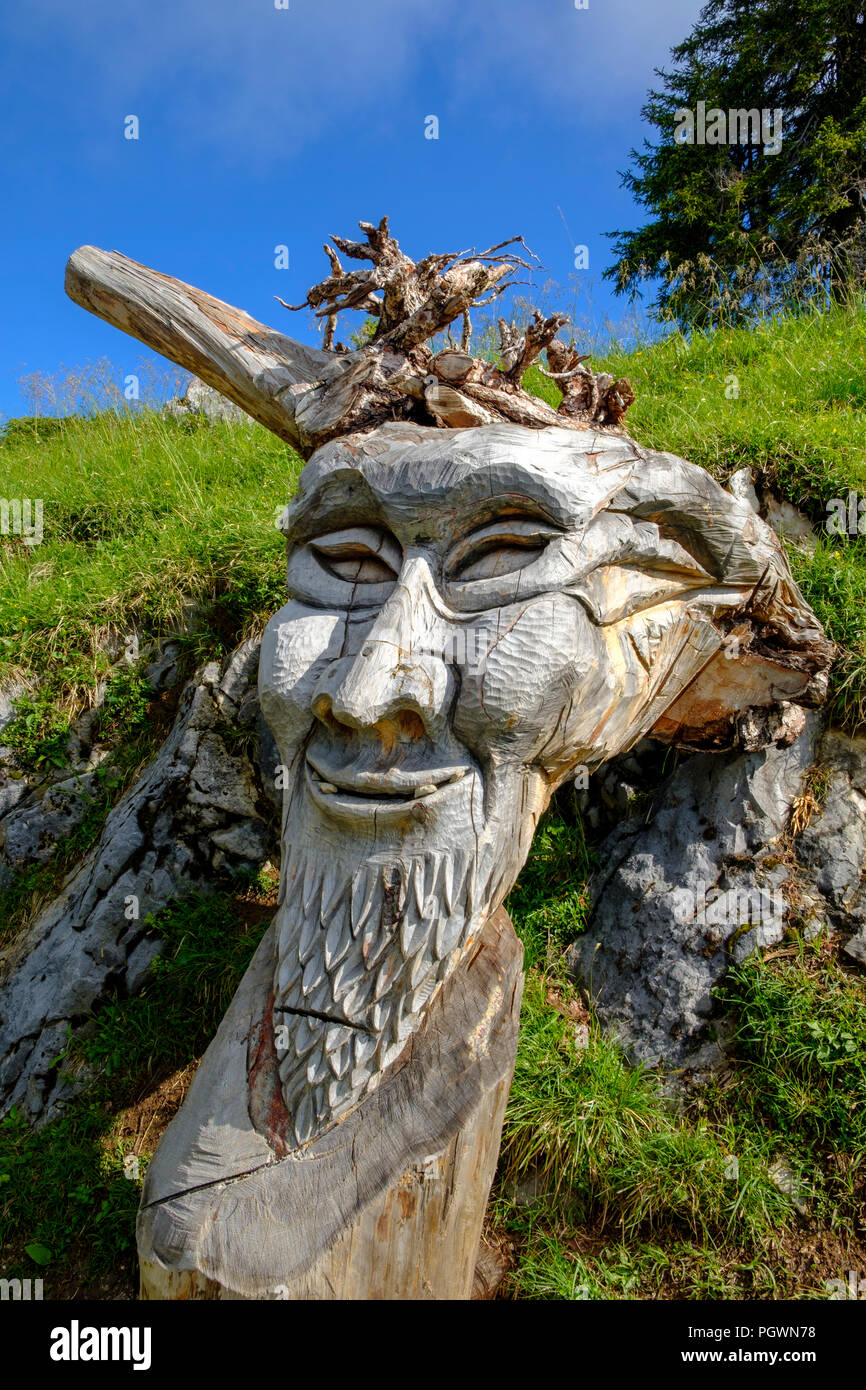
[326, 1018]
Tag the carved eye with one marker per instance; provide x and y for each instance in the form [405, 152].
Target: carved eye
[501, 548]
[355, 564]
[361, 555]
[353, 568]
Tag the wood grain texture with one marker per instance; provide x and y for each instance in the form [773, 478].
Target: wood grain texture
[245, 360]
[389, 1203]
[418, 767]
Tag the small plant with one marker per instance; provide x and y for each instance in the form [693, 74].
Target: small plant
[125, 707]
[38, 733]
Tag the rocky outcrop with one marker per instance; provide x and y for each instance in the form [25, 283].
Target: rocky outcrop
[34, 821]
[200, 399]
[831, 848]
[735, 849]
[202, 808]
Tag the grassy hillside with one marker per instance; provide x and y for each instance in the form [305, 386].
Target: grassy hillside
[605, 1189]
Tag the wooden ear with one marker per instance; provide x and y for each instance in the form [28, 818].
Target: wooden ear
[772, 648]
[708, 712]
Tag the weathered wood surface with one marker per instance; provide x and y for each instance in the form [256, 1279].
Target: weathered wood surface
[388, 1203]
[245, 360]
[599, 583]
[309, 396]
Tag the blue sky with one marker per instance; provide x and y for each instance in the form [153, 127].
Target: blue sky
[261, 126]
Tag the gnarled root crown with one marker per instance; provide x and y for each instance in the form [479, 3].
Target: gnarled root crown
[310, 396]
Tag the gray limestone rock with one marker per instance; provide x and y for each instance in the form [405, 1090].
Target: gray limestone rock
[31, 829]
[200, 808]
[705, 880]
[161, 673]
[832, 848]
[679, 897]
[740, 485]
[199, 399]
[856, 948]
[10, 691]
[789, 522]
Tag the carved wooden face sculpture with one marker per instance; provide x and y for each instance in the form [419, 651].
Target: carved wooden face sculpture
[473, 614]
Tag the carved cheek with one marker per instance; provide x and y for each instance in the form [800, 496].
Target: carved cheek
[545, 659]
[297, 645]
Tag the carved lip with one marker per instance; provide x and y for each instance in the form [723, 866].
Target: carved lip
[367, 795]
[395, 785]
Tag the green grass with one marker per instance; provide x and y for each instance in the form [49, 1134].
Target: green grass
[797, 415]
[556, 1268]
[550, 900]
[69, 1187]
[145, 519]
[151, 524]
[802, 1034]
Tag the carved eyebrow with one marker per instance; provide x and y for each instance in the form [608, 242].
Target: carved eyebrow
[492, 513]
[617, 538]
[518, 509]
[346, 495]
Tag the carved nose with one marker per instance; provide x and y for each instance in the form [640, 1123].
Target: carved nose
[396, 672]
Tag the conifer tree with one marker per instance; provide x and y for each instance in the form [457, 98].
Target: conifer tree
[745, 218]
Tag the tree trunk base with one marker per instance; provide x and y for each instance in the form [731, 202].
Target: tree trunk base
[387, 1204]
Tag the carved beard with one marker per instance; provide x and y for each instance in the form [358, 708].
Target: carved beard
[362, 946]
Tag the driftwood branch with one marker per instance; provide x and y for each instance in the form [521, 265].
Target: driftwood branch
[248, 362]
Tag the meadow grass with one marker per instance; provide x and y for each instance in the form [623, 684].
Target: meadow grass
[146, 519]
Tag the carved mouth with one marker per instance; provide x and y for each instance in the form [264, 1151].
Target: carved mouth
[367, 793]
